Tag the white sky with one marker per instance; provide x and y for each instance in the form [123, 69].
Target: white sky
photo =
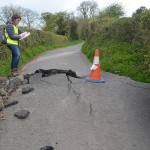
[70, 5]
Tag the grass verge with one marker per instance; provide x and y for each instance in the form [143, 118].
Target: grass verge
[29, 54]
[120, 58]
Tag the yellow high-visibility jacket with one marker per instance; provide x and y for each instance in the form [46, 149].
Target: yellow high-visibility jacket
[11, 34]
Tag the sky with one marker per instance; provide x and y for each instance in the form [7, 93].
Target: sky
[53, 6]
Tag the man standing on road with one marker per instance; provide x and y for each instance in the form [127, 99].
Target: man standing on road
[12, 39]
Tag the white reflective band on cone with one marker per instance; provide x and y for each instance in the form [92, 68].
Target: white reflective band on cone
[94, 67]
[96, 60]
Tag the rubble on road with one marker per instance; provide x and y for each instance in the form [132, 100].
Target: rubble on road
[22, 114]
[47, 148]
[27, 90]
[7, 87]
[11, 84]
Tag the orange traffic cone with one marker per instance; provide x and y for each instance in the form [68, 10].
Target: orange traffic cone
[95, 73]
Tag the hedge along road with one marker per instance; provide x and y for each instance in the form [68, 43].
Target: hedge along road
[80, 116]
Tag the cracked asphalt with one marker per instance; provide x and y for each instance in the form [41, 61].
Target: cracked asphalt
[80, 116]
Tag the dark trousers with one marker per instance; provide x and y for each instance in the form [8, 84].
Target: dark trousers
[15, 56]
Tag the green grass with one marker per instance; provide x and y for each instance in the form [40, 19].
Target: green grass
[120, 58]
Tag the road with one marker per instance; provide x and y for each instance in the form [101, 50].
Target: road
[80, 116]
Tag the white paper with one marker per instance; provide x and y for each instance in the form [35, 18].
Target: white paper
[24, 35]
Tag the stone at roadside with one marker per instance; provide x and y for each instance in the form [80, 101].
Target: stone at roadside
[1, 104]
[21, 77]
[2, 116]
[22, 114]
[13, 83]
[3, 92]
[9, 103]
[27, 90]
[5, 102]
[3, 81]
[47, 148]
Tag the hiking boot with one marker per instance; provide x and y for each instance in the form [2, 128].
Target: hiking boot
[15, 72]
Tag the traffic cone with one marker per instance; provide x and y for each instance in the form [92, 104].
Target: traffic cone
[95, 71]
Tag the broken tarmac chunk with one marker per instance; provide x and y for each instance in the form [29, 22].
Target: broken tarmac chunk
[47, 148]
[3, 92]
[9, 103]
[27, 90]
[4, 103]
[22, 114]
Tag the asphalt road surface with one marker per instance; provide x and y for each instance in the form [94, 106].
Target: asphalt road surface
[80, 116]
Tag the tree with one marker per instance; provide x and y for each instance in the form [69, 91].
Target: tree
[29, 17]
[61, 23]
[83, 29]
[145, 19]
[55, 22]
[139, 11]
[114, 10]
[49, 21]
[71, 26]
[88, 9]
[141, 23]
[136, 17]
[123, 30]
[72, 29]
[7, 11]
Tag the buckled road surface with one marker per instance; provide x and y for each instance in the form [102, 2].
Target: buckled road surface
[80, 115]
